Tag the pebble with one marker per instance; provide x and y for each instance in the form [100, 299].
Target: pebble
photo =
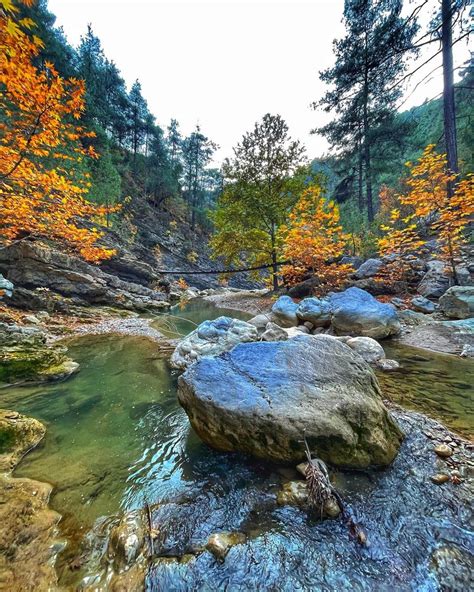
[440, 478]
[443, 450]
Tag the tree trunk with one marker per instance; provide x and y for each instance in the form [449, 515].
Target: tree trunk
[360, 177]
[448, 91]
[274, 260]
[368, 167]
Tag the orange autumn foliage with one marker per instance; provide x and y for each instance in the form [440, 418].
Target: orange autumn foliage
[430, 213]
[312, 240]
[41, 196]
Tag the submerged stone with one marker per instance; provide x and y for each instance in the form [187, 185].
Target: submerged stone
[261, 398]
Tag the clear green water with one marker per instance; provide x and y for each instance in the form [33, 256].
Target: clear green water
[441, 386]
[116, 436]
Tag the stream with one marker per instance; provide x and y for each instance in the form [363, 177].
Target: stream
[117, 439]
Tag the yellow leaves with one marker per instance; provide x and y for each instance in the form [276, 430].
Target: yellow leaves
[426, 204]
[312, 238]
[37, 196]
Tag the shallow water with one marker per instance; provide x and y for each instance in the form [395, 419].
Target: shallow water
[117, 438]
[439, 385]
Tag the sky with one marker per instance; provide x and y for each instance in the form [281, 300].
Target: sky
[223, 64]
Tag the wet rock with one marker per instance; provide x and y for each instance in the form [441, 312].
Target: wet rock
[443, 450]
[220, 543]
[422, 304]
[452, 567]
[356, 312]
[274, 332]
[18, 435]
[212, 338]
[369, 349]
[28, 528]
[467, 351]
[387, 365]
[440, 478]
[274, 392]
[295, 493]
[315, 310]
[26, 357]
[284, 310]
[368, 269]
[458, 302]
[127, 540]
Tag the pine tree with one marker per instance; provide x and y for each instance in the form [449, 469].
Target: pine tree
[369, 59]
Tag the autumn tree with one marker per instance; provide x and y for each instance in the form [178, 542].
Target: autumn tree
[260, 188]
[41, 195]
[432, 212]
[313, 240]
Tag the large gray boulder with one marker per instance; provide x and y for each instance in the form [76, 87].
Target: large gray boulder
[315, 310]
[356, 312]
[368, 269]
[284, 311]
[436, 281]
[262, 398]
[212, 338]
[458, 302]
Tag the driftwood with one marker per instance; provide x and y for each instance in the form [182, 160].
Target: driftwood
[320, 490]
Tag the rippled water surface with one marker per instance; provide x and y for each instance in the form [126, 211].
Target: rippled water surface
[117, 438]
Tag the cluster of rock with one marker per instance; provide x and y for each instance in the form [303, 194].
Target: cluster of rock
[352, 312]
[257, 387]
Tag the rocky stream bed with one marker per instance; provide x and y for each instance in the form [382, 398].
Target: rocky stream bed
[139, 501]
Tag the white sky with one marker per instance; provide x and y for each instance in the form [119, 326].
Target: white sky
[224, 63]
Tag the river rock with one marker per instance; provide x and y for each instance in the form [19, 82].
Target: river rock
[387, 365]
[26, 357]
[295, 493]
[284, 310]
[220, 543]
[28, 528]
[458, 302]
[443, 450]
[261, 321]
[316, 311]
[422, 304]
[274, 332]
[356, 312]
[368, 269]
[210, 339]
[260, 398]
[367, 347]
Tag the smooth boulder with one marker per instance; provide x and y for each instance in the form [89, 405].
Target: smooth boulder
[458, 302]
[356, 312]
[367, 348]
[210, 339]
[284, 311]
[315, 310]
[262, 398]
